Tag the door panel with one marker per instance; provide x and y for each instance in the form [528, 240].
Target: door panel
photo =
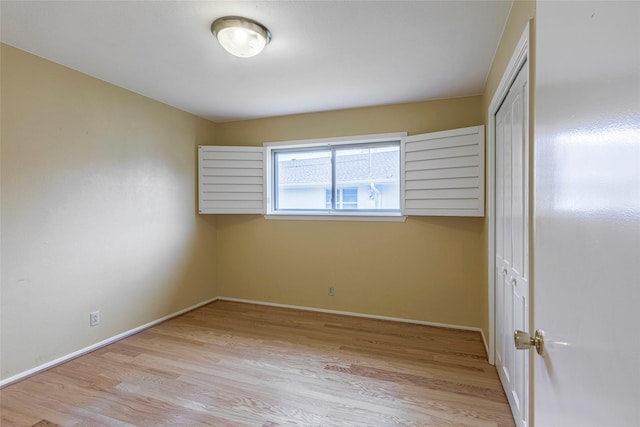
[517, 184]
[511, 228]
[499, 241]
[587, 213]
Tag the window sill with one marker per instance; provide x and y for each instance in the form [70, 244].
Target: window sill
[337, 217]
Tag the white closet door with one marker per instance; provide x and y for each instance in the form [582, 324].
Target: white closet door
[511, 264]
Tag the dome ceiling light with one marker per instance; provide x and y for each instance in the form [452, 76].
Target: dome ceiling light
[240, 36]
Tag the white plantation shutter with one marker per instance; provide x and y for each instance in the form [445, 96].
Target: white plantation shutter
[443, 173]
[230, 180]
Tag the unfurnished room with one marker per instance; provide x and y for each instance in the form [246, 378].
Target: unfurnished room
[319, 213]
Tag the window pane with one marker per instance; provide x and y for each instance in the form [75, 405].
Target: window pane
[368, 178]
[302, 180]
[348, 198]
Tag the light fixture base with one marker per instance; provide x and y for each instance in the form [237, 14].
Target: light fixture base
[241, 37]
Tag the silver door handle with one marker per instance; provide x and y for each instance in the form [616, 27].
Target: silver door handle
[524, 342]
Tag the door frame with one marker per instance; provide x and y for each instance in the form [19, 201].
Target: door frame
[518, 58]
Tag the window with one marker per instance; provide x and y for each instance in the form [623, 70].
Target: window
[346, 198]
[366, 178]
[348, 177]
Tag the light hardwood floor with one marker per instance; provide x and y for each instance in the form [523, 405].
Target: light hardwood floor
[232, 364]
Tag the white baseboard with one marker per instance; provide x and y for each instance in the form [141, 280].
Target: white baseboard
[128, 333]
[98, 345]
[353, 314]
[486, 346]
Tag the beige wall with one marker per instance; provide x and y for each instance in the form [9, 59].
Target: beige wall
[522, 11]
[425, 269]
[414, 118]
[98, 211]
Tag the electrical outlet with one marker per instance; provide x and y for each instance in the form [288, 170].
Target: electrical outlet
[94, 318]
[330, 291]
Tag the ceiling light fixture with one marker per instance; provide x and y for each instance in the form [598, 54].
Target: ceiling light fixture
[240, 36]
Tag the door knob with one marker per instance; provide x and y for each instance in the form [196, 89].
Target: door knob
[524, 342]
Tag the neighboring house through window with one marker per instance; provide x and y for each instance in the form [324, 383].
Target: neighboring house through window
[346, 198]
[359, 177]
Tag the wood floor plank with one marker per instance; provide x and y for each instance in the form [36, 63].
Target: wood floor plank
[234, 364]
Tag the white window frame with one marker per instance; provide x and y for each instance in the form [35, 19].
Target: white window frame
[369, 215]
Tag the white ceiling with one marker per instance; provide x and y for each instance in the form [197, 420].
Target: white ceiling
[324, 55]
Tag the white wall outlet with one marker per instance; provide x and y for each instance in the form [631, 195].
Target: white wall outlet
[94, 318]
[330, 291]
